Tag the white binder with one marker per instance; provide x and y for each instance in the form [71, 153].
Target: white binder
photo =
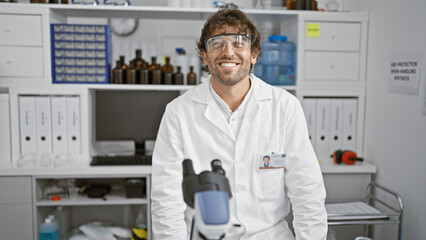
[349, 123]
[27, 124]
[59, 124]
[5, 150]
[322, 128]
[336, 125]
[43, 124]
[73, 124]
[309, 108]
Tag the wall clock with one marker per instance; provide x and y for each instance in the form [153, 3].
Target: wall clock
[123, 26]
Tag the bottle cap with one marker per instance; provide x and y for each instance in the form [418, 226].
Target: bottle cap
[277, 38]
[179, 50]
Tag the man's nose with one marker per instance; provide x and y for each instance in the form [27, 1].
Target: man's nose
[228, 49]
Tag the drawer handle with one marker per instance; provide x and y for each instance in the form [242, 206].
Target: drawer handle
[8, 30]
[9, 61]
[332, 66]
[333, 37]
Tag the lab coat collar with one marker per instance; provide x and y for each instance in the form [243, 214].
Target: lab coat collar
[260, 93]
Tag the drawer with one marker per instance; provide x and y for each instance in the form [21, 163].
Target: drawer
[334, 37]
[15, 190]
[20, 30]
[21, 62]
[331, 65]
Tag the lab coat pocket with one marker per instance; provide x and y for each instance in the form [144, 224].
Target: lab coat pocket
[267, 183]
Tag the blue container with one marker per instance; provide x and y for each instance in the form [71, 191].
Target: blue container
[276, 64]
[49, 230]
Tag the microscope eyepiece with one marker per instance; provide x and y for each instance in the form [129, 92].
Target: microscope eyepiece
[217, 167]
[187, 167]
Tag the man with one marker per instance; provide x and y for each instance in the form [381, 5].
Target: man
[266, 160]
[238, 118]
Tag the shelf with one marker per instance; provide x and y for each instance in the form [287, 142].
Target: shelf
[113, 198]
[161, 12]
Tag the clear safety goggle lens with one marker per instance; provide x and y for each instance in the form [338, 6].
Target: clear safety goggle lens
[217, 43]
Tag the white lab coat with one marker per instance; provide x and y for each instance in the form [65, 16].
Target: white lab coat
[193, 127]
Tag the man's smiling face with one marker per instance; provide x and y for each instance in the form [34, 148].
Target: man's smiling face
[228, 67]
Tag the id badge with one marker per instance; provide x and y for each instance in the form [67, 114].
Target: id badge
[272, 161]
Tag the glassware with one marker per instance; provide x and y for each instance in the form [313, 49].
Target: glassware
[191, 76]
[167, 72]
[117, 74]
[178, 77]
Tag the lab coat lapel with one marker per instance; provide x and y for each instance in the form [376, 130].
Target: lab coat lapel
[212, 111]
[259, 94]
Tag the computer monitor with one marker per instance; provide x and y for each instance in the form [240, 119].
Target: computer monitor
[130, 115]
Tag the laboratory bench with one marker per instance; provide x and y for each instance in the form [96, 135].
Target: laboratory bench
[21, 198]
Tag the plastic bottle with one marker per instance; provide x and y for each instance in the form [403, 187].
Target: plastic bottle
[54, 222]
[277, 61]
[48, 230]
[62, 217]
[139, 229]
[182, 60]
[191, 76]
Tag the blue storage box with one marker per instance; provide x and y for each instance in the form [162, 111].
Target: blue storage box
[80, 53]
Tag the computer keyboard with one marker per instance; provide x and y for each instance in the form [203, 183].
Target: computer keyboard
[121, 160]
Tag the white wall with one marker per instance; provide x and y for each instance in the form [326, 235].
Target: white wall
[395, 129]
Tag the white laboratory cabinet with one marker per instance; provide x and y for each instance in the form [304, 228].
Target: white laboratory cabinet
[330, 64]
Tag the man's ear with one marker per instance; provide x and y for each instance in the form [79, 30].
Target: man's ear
[253, 57]
[204, 55]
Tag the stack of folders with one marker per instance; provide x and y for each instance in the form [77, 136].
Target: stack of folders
[49, 127]
[332, 124]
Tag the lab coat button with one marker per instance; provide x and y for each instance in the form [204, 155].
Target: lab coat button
[240, 189]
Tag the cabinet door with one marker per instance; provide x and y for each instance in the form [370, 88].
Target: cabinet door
[20, 30]
[335, 37]
[331, 66]
[16, 221]
[16, 217]
[21, 62]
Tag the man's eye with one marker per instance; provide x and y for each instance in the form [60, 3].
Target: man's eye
[216, 44]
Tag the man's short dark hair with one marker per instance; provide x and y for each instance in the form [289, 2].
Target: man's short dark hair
[230, 17]
[266, 157]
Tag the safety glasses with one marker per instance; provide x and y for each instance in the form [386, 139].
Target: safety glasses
[239, 42]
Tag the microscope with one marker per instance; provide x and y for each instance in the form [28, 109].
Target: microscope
[208, 193]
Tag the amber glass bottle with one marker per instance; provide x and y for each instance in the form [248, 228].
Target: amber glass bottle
[178, 77]
[131, 74]
[124, 67]
[138, 61]
[191, 77]
[117, 74]
[167, 72]
[143, 75]
[153, 66]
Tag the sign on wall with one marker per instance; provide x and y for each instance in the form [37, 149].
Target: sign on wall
[404, 72]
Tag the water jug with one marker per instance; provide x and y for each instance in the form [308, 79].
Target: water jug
[276, 63]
